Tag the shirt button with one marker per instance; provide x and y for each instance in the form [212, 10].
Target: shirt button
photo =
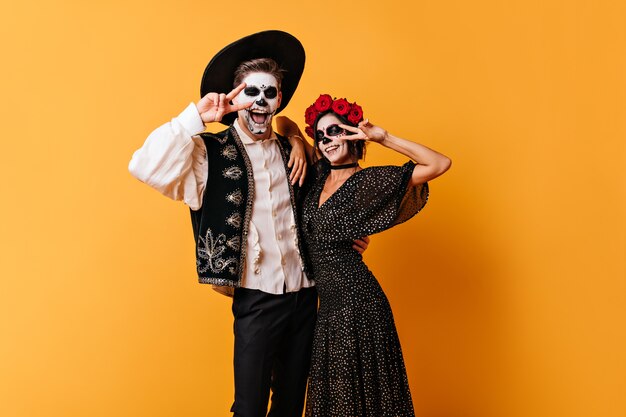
[282, 260]
[280, 236]
[274, 213]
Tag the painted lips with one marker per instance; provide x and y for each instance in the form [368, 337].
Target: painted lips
[330, 149]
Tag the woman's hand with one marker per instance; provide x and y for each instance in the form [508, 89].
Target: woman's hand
[213, 106]
[365, 131]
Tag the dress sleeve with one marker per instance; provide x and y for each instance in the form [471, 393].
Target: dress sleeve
[173, 160]
[384, 198]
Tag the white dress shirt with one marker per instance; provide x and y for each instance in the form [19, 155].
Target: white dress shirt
[173, 161]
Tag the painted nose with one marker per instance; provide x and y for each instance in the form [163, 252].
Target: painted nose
[261, 102]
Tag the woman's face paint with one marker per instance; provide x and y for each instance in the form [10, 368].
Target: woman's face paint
[334, 148]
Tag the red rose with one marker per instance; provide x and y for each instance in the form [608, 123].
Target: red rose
[309, 131]
[323, 102]
[356, 114]
[341, 106]
[310, 115]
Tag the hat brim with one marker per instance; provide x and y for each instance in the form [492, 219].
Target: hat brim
[280, 46]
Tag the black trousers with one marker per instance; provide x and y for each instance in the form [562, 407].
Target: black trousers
[273, 337]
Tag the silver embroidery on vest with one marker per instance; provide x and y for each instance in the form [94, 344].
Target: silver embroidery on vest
[234, 243]
[222, 140]
[236, 197]
[233, 173]
[234, 220]
[249, 199]
[230, 152]
[211, 249]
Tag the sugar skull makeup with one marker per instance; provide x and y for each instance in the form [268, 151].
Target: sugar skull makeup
[330, 131]
[262, 89]
[329, 139]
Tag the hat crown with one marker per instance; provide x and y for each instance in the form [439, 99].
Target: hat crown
[280, 46]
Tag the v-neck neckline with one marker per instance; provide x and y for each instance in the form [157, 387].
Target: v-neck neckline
[323, 183]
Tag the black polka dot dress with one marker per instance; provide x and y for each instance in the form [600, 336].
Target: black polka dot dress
[357, 368]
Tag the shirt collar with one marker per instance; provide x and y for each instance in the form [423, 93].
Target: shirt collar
[247, 140]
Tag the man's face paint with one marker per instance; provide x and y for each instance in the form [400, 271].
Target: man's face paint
[262, 89]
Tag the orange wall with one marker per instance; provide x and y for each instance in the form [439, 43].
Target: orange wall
[508, 289]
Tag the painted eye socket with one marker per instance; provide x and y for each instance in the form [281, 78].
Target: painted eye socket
[251, 91]
[332, 130]
[271, 92]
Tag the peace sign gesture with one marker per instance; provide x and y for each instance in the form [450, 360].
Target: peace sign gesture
[213, 106]
[365, 131]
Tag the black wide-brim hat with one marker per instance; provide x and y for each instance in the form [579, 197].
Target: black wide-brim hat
[282, 47]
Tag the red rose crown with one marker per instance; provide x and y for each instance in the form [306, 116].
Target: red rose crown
[325, 103]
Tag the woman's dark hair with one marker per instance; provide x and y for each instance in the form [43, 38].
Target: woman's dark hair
[356, 148]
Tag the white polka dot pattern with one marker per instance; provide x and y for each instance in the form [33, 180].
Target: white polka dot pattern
[357, 368]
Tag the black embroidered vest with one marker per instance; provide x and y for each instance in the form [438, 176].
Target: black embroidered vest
[220, 226]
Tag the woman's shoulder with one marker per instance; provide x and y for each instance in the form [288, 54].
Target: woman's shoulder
[383, 171]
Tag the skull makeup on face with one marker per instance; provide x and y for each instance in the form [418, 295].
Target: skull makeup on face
[262, 89]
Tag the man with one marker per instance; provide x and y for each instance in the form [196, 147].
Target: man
[245, 214]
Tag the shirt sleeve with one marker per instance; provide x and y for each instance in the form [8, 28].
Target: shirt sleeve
[173, 160]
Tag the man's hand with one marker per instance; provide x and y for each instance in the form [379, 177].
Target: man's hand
[287, 127]
[297, 160]
[361, 244]
[214, 106]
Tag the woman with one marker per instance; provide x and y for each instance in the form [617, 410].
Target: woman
[357, 367]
